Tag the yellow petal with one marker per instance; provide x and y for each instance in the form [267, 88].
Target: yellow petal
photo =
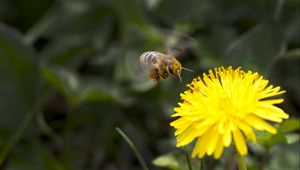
[273, 101]
[248, 131]
[227, 136]
[203, 144]
[186, 136]
[260, 124]
[197, 147]
[267, 115]
[212, 142]
[219, 150]
[239, 142]
[178, 122]
[273, 110]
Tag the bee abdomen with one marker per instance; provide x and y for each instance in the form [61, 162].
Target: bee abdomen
[149, 58]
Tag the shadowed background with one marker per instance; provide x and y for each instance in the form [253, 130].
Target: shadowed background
[68, 78]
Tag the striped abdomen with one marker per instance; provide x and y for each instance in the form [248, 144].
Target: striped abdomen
[150, 58]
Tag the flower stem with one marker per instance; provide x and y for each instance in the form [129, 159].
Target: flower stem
[241, 162]
[188, 158]
[202, 163]
[18, 134]
[133, 147]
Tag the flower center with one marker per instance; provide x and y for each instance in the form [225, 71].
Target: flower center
[227, 107]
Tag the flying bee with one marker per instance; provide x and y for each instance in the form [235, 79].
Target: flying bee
[161, 66]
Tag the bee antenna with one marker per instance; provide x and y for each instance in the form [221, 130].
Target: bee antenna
[187, 69]
[179, 77]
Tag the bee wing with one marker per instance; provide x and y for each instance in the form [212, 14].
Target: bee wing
[177, 43]
[138, 73]
[132, 62]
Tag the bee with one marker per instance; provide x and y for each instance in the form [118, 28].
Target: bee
[161, 66]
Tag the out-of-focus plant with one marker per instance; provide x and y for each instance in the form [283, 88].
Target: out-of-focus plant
[67, 80]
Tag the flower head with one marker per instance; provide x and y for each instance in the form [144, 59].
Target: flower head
[224, 106]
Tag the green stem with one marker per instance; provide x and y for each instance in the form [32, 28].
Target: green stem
[16, 136]
[188, 158]
[241, 162]
[46, 128]
[202, 164]
[278, 9]
[133, 147]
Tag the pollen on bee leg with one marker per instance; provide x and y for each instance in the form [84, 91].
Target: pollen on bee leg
[153, 74]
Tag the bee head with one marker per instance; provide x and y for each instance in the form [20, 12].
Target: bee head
[175, 68]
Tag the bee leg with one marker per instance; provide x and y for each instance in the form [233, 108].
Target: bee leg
[164, 75]
[164, 72]
[153, 74]
[171, 72]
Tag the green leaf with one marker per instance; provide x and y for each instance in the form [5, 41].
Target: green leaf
[256, 49]
[174, 161]
[101, 91]
[79, 91]
[268, 140]
[50, 77]
[169, 161]
[290, 125]
[18, 77]
[64, 81]
[292, 138]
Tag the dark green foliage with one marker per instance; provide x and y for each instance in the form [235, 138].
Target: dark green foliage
[18, 78]
[69, 75]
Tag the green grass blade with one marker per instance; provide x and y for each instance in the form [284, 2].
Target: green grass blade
[133, 147]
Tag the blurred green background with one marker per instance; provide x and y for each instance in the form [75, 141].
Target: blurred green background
[67, 79]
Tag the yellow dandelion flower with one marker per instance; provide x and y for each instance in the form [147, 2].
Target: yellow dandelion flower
[224, 106]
